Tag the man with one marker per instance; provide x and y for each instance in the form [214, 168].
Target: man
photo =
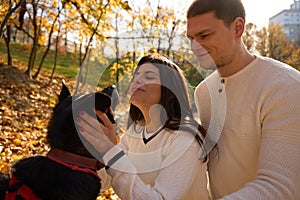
[257, 151]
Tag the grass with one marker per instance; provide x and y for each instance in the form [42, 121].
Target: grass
[67, 63]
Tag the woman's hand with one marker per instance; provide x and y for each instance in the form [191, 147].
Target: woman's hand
[101, 136]
[108, 128]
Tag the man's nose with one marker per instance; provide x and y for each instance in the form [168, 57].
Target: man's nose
[195, 45]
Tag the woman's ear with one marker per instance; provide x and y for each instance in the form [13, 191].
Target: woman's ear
[239, 26]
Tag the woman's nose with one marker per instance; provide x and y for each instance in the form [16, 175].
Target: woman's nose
[137, 79]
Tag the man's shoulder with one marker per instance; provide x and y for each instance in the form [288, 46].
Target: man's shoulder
[267, 61]
[278, 69]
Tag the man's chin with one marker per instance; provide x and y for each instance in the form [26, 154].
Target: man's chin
[206, 63]
[208, 68]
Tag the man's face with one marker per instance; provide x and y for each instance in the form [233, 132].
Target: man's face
[211, 41]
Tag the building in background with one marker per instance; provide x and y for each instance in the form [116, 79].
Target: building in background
[290, 21]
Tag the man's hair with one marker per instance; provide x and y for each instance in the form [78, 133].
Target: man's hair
[226, 10]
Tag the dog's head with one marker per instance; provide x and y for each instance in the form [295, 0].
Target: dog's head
[62, 132]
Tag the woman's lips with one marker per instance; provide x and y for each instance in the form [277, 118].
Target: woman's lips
[137, 90]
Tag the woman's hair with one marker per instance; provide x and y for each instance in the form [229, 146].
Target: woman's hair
[174, 98]
[226, 10]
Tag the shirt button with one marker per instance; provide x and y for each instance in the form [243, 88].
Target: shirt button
[220, 90]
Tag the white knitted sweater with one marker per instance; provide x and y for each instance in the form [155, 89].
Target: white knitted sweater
[167, 167]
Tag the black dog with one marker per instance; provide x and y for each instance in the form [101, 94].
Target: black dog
[68, 172]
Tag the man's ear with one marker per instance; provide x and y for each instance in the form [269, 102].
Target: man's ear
[239, 26]
[64, 93]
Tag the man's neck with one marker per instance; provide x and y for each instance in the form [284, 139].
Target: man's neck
[239, 62]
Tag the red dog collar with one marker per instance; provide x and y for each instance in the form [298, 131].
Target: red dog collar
[75, 162]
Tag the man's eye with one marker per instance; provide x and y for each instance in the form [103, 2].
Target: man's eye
[204, 36]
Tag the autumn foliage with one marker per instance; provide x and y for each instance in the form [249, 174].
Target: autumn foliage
[24, 113]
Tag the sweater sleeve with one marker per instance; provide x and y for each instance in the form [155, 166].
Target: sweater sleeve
[173, 180]
[278, 175]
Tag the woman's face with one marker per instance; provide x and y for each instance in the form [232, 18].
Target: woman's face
[145, 88]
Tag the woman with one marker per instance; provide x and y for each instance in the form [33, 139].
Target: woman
[158, 157]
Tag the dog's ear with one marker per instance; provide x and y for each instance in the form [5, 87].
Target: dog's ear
[64, 93]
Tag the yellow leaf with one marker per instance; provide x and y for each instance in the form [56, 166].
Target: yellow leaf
[17, 141]
[16, 157]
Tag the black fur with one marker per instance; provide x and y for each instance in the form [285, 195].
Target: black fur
[50, 180]
[4, 180]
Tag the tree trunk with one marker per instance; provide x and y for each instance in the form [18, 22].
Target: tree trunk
[55, 56]
[7, 41]
[48, 46]
[117, 51]
[35, 40]
[32, 57]
[80, 75]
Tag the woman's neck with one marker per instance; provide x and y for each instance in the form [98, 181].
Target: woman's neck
[152, 117]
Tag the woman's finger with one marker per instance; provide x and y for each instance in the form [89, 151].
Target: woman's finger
[90, 124]
[89, 119]
[102, 137]
[102, 145]
[109, 128]
[97, 129]
[89, 137]
[103, 117]
[111, 111]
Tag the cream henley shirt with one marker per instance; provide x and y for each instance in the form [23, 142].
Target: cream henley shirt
[258, 148]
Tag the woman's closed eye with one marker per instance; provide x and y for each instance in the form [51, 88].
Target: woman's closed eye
[150, 77]
[150, 74]
[147, 75]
